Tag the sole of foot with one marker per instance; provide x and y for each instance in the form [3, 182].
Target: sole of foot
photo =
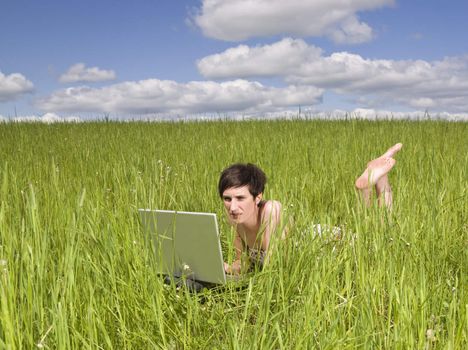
[374, 171]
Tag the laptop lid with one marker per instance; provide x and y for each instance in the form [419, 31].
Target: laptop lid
[185, 243]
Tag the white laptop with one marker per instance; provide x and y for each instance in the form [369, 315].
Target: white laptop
[185, 244]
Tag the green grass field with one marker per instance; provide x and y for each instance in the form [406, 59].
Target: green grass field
[75, 272]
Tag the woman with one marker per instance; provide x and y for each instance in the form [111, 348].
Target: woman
[241, 188]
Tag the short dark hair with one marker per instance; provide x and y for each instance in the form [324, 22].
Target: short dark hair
[241, 174]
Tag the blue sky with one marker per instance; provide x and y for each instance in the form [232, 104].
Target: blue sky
[250, 57]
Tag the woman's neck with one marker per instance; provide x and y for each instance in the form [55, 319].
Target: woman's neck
[250, 229]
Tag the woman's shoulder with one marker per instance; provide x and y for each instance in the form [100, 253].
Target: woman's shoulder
[272, 204]
[271, 208]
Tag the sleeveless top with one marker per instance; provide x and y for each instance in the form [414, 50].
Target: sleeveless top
[256, 258]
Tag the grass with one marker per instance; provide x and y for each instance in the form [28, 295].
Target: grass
[74, 271]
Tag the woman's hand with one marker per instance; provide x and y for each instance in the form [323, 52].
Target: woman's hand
[233, 269]
[227, 268]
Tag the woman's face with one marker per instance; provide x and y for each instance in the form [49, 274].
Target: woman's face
[240, 205]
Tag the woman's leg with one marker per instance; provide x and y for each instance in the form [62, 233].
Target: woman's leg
[376, 175]
[384, 192]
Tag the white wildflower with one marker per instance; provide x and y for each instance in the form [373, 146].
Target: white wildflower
[40, 344]
[430, 335]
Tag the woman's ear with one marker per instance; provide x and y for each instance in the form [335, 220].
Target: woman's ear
[258, 199]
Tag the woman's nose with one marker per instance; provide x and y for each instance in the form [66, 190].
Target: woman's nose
[233, 205]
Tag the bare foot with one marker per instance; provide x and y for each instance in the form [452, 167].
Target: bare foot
[392, 150]
[384, 192]
[375, 170]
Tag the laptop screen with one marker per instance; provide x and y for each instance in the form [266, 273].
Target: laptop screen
[185, 243]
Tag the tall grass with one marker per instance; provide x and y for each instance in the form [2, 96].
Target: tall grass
[74, 271]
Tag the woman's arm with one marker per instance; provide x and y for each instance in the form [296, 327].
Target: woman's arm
[236, 267]
[270, 221]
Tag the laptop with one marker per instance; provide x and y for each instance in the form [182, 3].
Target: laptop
[185, 244]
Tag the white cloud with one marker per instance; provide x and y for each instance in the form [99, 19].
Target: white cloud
[373, 114]
[80, 73]
[351, 31]
[439, 85]
[367, 114]
[47, 118]
[285, 114]
[165, 96]
[13, 85]
[235, 20]
[259, 61]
